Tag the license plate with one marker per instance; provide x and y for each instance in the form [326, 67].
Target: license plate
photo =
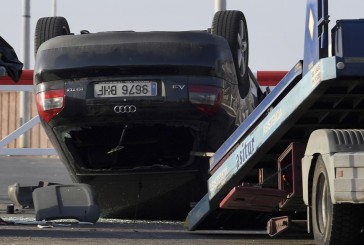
[125, 89]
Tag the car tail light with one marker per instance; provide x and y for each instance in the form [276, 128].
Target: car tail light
[50, 103]
[206, 98]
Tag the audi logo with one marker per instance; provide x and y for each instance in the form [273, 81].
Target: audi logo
[125, 109]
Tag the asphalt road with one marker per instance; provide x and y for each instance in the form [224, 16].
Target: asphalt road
[29, 171]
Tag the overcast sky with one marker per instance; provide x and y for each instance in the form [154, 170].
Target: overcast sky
[276, 27]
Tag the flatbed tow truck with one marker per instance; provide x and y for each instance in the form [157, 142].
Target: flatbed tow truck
[299, 157]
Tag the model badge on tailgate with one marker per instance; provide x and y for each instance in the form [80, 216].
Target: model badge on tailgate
[125, 109]
[74, 89]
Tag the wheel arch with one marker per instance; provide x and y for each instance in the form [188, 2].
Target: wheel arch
[325, 143]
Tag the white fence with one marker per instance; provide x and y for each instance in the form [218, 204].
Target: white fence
[10, 129]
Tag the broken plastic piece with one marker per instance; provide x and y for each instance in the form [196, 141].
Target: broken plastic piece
[21, 196]
[77, 201]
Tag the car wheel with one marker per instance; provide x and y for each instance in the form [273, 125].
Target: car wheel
[49, 27]
[231, 25]
[333, 223]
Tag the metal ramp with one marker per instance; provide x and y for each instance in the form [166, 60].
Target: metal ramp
[323, 98]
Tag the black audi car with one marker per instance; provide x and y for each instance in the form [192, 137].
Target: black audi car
[137, 114]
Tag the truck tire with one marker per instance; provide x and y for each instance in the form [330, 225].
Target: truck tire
[231, 25]
[333, 223]
[49, 27]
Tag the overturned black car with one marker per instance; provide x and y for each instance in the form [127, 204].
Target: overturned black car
[137, 114]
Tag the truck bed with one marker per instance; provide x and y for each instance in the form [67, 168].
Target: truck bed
[324, 98]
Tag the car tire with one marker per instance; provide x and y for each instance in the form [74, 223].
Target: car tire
[231, 25]
[333, 223]
[48, 28]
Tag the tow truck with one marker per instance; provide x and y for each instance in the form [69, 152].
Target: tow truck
[299, 157]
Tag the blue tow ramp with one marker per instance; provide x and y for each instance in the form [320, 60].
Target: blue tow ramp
[259, 133]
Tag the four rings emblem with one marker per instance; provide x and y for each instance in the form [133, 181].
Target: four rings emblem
[125, 109]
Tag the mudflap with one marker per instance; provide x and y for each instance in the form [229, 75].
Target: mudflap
[76, 201]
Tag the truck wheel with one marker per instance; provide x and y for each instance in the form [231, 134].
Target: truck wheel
[49, 27]
[231, 25]
[333, 223]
